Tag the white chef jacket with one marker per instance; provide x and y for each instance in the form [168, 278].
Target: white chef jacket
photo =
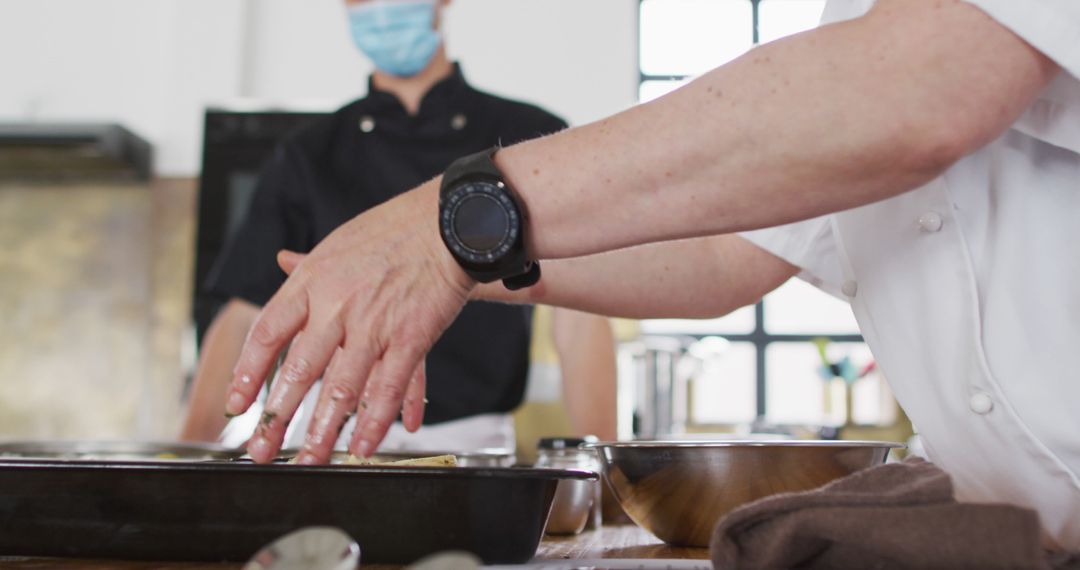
[968, 290]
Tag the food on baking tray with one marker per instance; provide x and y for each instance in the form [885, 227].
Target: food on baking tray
[435, 461]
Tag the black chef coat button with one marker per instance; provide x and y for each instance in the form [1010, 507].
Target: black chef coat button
[458, 121]
[367, 123]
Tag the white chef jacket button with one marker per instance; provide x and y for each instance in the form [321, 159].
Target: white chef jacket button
[849, 288]
[931, 222]
[458, 121]
[981, 403]
[367, 123]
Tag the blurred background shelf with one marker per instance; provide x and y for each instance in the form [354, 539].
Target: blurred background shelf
[57, 152]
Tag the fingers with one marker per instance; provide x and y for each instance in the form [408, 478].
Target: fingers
[276, 325]
[289, 260]
[339, 400]
[337, 403]
[308, 357]
[384, 394]
[412, 409]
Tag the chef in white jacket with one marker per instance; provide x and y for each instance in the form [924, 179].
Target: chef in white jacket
[968, 290]
[919, 158]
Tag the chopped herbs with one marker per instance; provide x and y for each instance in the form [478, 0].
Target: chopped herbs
[267, 418]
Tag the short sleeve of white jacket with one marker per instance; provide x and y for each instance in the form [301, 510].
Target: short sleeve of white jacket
[1050, 26]
[810, 245]
[1053, 28]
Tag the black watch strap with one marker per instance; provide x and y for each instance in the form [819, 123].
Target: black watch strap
[527, 279]
[483, 163]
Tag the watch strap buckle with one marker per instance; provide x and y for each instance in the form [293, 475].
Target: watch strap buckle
[523, 280]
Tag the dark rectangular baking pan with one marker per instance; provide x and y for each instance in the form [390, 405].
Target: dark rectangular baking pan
[226, 511]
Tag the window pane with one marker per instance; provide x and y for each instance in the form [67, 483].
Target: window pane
[689, 37]
[873, 402]
[738, 322]
[796, 392]
[800, 308]
[650, 90]
[779, 18]
[725, 389]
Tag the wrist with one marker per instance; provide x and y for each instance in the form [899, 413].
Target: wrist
[483, 223]
[509, 161]
[445, 266]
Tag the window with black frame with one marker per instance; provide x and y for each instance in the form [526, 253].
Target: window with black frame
[773, 365]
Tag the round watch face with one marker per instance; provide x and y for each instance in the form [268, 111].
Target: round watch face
[480, 222]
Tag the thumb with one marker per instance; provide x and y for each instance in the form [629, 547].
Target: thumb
[288, 260]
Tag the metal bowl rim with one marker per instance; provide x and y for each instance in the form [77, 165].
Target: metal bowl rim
[708, 444]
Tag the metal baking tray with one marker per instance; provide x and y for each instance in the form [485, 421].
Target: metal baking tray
[90, 450]
[226, 511]
[117, 451]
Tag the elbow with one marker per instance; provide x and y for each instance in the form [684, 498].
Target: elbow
[945, 144]
[924, 149]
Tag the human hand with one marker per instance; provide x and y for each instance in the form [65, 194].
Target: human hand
[365, 307]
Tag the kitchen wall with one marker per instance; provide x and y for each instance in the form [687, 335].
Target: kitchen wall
[95, 289]
[155, 64]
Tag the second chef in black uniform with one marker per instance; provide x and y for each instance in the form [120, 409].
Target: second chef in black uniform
[406, 131]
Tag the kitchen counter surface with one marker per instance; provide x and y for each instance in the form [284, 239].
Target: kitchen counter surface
[612, 542]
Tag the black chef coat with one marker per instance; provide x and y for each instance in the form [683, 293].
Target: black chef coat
[364, 154]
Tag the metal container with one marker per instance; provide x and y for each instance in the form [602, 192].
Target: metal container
[577, 502]
[679, 490]
[226, 511]
[654, 374]
[116, 451]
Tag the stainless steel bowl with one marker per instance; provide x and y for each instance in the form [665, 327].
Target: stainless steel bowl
[679, 490]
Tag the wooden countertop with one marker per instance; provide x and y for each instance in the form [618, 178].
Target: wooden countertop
[614, 542]
[607, 542]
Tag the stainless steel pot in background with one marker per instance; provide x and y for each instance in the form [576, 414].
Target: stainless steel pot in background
[654, 374]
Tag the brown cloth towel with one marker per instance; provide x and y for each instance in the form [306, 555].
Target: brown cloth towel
[900, 515]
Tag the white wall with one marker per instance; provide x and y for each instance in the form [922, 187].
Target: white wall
[578, 58]
[148, 64]
[153, 65]
[299, 50]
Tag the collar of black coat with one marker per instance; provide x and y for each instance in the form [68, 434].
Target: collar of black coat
[444, 97]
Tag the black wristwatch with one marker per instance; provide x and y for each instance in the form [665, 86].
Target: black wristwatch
[482, 223]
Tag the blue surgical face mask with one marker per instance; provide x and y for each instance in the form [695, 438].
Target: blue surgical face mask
[398, 35]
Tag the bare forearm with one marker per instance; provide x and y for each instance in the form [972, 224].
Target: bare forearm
[205, 417]
[692, 278]
[586, 348]
[821, 122]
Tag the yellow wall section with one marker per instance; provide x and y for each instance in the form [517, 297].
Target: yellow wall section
[537, 419]
[534, 420]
